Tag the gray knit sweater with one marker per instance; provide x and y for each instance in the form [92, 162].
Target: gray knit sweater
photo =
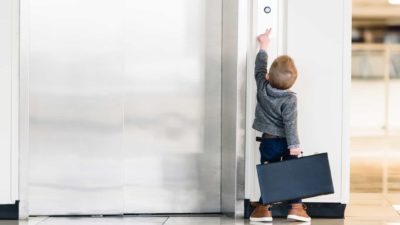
[276, 110]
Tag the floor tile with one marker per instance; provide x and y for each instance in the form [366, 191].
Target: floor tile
[199, 220]
[371, 206]
[9, 222]
[393, 198]
[229, 221]
[127, 220]
[371, 221]
[368, 199]
[146, 219]
[36, 219]
[378, 212]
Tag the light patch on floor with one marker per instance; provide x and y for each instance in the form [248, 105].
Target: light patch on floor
[375, 164]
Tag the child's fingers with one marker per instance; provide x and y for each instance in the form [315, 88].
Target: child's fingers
[295, 152]
[268, 31]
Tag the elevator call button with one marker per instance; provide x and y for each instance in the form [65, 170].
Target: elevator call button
[267, 9]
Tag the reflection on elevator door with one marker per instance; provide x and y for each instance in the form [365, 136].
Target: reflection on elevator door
[124, 115]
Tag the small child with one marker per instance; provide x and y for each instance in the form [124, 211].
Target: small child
[276, 118]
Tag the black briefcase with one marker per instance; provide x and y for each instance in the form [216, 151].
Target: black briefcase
[303, 177]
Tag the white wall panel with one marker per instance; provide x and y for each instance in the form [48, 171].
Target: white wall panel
[316, 39]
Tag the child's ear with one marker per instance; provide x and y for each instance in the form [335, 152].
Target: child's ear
[267, 76]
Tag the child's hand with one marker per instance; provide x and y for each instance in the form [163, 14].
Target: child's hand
[295, 151]
[263, 39]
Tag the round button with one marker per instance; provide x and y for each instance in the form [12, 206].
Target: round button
[267, 9]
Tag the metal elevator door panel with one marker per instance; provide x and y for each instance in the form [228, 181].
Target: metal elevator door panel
[125, 106]
[172, 116]
[76, 107]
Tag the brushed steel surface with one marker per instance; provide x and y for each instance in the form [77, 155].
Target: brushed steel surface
[172, 122]
[125, 106]
[6, 96]
[115, 220]
[76, 107]
[233, 106]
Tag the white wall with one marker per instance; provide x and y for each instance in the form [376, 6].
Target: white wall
[319, 41]
[318, 38]
[8, 101]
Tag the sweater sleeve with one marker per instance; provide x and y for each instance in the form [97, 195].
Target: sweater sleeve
[289, 114]
[261, 67]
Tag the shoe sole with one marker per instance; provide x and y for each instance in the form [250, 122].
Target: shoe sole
[261, 219]
[298, 218]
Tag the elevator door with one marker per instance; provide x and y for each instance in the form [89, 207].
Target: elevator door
[125, 106]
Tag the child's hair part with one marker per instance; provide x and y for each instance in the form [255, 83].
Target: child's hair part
[283, 73]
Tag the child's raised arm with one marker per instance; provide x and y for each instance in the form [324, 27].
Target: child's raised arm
[262, 58]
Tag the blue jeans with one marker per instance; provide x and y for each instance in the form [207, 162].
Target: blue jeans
[274, 150]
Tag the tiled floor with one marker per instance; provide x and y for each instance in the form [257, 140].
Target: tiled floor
[220, 220]
[378, 211]
[373, 208]
[363, 209]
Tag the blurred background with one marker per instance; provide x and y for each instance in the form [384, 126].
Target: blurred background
[375, 110]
